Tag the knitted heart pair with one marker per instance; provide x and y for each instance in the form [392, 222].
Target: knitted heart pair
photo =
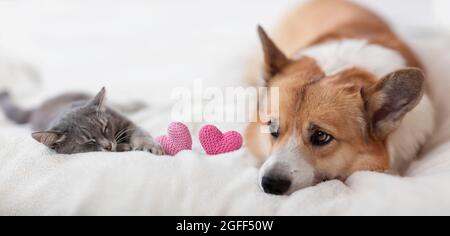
[211, 138]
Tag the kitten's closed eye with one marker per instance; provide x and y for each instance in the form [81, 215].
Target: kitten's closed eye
[105, 130]
[91, 142]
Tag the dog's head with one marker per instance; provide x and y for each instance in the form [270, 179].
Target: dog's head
[329, 127]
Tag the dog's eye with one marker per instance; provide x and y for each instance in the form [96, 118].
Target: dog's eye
[274, 129]
[320, 138]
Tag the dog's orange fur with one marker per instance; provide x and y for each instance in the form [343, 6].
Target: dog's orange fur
[335, 104]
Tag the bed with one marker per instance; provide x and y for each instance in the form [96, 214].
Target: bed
[36, 181]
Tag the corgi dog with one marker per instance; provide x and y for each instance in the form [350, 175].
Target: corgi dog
[352, 97]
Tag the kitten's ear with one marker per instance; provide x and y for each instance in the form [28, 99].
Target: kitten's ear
[274, 58]
[99, 100]
[388, 101]
[49, 138]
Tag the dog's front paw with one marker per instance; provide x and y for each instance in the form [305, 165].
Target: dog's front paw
[153, 148]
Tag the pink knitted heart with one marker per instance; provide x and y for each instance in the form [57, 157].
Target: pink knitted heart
[178, 139]
[215, 142]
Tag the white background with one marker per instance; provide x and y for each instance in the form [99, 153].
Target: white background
[143, 48]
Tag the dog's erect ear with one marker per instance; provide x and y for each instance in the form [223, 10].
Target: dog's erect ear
[388, 101]
[274, 58]
[49, 138]
[99, 100]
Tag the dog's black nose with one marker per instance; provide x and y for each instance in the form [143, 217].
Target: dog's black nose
[275, 185]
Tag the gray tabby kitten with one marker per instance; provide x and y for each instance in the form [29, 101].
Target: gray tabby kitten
[77, 123]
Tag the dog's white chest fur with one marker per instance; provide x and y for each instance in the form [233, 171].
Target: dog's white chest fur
[337, 56]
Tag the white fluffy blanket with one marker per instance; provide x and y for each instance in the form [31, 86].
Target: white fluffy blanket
[35, 181]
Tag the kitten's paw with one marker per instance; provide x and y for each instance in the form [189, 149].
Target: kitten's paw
[157, 151]
[153, 148]
[124, 147]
